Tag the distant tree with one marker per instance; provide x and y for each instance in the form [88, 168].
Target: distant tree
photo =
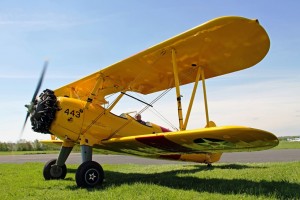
[4, 146]
[37, 146]
[11, 146]
[23, 145]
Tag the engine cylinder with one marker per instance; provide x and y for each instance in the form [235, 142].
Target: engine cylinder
[45, 107]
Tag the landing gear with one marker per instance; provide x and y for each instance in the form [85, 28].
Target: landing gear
[89, 174]
[53, 171]
[56, 169]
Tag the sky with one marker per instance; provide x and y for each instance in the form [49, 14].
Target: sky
[81, 37]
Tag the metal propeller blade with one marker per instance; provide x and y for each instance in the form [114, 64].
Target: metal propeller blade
[30, 106]
[21, 134]
[40, 81]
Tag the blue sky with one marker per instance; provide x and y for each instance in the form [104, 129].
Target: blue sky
[81, 37]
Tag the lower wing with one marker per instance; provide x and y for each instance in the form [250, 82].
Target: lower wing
[206, 140]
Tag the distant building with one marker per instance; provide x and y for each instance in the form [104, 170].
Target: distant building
[293, 139]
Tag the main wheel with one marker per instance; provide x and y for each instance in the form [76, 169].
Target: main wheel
[53, 171]
[89, 174]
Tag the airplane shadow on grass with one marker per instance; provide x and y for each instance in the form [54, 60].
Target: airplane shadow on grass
[186, 181]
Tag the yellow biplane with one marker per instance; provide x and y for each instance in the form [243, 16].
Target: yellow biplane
[78, 113]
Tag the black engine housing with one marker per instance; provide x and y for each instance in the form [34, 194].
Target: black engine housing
[44, 111]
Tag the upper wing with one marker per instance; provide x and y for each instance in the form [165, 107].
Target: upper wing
[220, 46]
[215, 139]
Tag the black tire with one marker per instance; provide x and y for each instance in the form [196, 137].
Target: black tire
[89, 174]
[52, 171]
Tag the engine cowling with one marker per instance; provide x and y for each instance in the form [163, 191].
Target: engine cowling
[44, 109]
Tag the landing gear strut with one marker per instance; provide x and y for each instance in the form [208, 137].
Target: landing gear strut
[89, 173]
[56, 169]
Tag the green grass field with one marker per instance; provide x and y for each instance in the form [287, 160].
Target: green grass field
[223, 181]
[288, 145]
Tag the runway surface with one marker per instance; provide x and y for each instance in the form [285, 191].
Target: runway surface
[286, 155]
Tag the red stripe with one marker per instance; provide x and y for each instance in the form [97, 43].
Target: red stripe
[164, 129]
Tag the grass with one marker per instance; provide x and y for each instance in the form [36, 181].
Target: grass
[223, 181]
[288, 145]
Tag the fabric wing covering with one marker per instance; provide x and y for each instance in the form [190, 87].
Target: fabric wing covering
[220, 46]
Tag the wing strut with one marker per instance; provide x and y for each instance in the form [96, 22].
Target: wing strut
[205, 96]
[200, 72]
[175, 70]
[91, 97]
[115, 102]
[192, 98]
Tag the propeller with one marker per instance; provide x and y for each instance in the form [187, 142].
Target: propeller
[30, 107]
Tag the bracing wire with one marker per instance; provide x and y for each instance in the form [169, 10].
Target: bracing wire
[145, 108]
[192, 70]
[155, 100]
[150, 104]
[158, 114]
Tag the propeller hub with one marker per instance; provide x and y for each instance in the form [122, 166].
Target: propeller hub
[30, 107]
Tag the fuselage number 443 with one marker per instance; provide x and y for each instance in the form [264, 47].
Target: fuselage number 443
[74, 113]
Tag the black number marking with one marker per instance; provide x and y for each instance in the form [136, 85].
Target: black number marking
[67, 111]
[77, 114]
[74, 113]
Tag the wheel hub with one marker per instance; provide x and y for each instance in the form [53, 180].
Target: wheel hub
[56, 171]
[92, 176]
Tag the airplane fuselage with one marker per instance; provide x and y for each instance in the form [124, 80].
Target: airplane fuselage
[89, 126]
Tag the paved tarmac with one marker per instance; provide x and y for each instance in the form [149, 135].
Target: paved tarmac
[286, 155]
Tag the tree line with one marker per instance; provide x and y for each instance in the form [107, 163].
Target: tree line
[23, 145]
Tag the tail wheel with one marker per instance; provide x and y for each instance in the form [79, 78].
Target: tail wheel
[89, 174]
[53, 171]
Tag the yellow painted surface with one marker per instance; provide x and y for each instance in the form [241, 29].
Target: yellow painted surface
[214, 139]
[220, 46]
[73, 122]
[201, 157]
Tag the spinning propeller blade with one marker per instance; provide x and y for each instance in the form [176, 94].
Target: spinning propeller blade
[30, 106]
[21, 134]
[40, 81]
